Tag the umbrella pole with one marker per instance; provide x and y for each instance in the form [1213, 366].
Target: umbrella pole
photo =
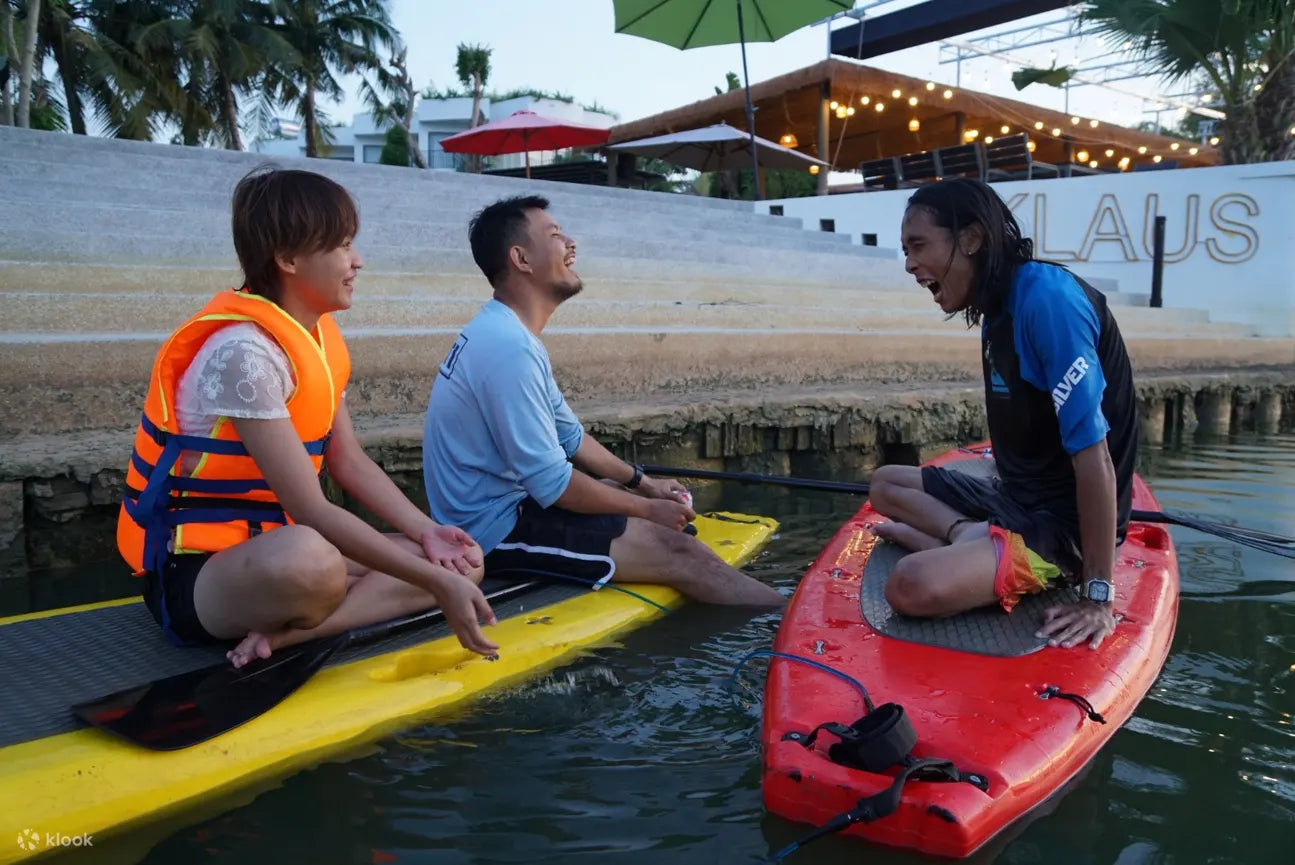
[750, 111]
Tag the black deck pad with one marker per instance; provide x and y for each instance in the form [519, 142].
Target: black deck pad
[986, 631]
[48, 665]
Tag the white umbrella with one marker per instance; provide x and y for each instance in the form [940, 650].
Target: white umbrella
[716, 148]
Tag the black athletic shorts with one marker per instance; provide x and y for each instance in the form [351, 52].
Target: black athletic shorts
[558, 544]
[1053, 538]
[169, 597]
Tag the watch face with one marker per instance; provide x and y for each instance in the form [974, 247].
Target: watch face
[1099, 591]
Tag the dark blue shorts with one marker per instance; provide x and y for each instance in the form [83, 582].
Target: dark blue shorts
[169, 597]
[1052, 537]
[557, 543]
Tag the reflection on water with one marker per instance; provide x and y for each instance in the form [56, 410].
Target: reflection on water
[638, 754]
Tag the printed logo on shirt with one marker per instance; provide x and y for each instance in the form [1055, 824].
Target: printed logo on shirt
[452, 359]
[997, 385]
[1073, 376]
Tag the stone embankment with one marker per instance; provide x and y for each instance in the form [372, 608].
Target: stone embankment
[708, 335]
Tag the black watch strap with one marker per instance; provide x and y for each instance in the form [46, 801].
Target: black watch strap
[638, 476]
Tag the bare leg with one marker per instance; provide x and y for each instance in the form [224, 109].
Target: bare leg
[649, 553]
[368, 597]
[944, 581]
[896, 492]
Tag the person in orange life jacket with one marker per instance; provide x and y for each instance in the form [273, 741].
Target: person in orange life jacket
[1062, 414]
[224, 516]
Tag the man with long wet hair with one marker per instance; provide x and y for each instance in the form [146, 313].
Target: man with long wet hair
[1062, 416]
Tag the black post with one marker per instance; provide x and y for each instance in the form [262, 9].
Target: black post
[1158, 263]
[750, 111]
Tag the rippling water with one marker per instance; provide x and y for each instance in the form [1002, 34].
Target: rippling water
[637, 754]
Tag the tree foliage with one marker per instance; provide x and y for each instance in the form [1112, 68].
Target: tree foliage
[1244, 48]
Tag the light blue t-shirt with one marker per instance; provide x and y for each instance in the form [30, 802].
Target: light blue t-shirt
[497, 428]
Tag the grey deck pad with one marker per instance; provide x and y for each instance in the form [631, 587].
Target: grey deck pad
[986, 631]
[48, 665]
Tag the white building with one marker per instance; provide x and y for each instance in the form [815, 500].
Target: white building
[434, 120]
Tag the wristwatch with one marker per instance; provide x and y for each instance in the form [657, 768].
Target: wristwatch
[1099, 591]
[638, 476]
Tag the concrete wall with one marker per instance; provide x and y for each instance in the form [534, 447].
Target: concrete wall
[1229, 238]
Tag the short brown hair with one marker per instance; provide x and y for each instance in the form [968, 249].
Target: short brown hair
[279, 211]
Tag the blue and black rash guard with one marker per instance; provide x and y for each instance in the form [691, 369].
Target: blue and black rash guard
[1057, 380]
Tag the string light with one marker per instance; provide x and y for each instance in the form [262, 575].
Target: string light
[864, 100]
[1157, 158]
[881, 106]
[1075, 121]
[1032, 145]
[1193, 150]
[1142, 149]
[930, 85]
[1082, 156]
[989, 139]
[1174, 146]
[1214, 141]
[912, 100]
[789, 140]
[896, 93]
[1056, 132]
[1005, 129]
[1038, 124]
[914, 125]
[1124, 163]
[834, 105]
[971, 134]
[1109, 153]
[813, 169]
[948, 94]
[1094, 123]
[1092, 164]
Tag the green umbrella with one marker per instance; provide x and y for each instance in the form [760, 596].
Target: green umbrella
[694, 23]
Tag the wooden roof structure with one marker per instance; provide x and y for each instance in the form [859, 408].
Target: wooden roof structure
[882, 123]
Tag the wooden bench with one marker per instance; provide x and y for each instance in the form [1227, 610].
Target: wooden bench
[1009, 158]
[918, 168]
[880, 173]
[962, 160]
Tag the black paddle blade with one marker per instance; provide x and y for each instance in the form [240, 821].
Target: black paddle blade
[190, 708]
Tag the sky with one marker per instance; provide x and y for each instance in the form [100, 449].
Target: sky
[570, 46]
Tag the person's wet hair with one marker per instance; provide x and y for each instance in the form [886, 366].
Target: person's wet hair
[496, 229]
[959, 203]
[279, 211]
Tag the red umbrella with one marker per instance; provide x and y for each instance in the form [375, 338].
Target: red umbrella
[522, 132]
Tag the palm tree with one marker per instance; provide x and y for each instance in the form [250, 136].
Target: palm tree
[224, 48]
[393, 100]
[329, 37]
[473, 68]
[1246, 48]
[19, 52]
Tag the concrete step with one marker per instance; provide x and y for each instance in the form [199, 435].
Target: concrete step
[457, 276]
[29, 315]
[438, 229]
[109, 155]
[112, 246]
[38, 184]
[56, 387]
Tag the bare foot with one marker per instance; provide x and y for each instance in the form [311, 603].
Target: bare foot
[254, 645]
[906, 536]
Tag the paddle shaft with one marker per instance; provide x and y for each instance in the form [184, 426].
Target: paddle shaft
[1264, 541]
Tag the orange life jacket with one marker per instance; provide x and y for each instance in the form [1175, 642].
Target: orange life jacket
[224, 500]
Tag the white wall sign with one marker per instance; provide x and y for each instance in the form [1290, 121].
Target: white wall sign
[1229, 234]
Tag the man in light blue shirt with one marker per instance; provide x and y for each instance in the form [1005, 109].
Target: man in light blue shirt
[505, 458]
